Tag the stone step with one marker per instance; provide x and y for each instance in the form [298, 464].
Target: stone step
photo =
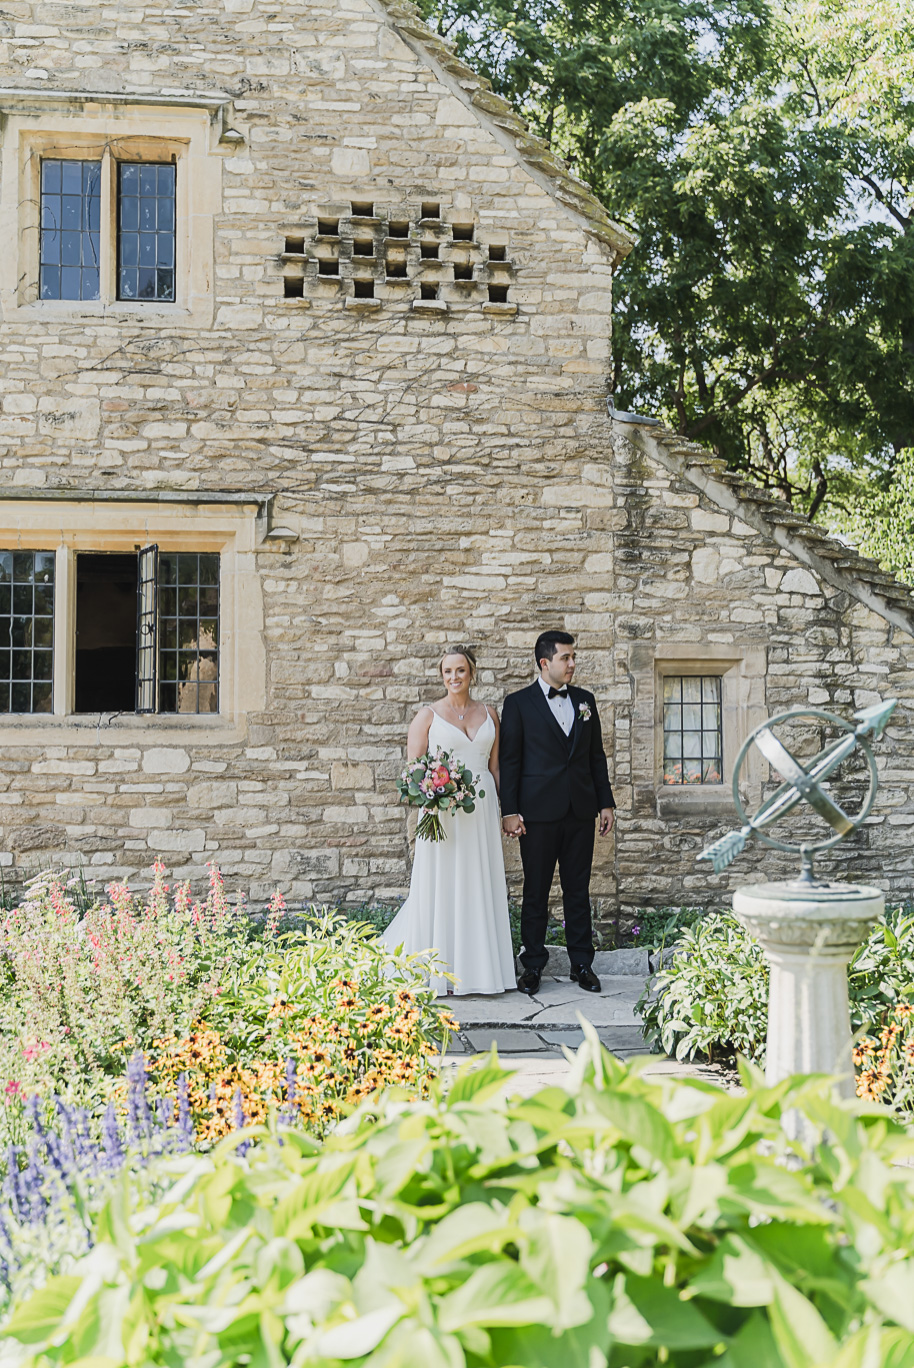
[613, 963]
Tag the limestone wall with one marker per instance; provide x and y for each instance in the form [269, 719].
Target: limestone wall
[434, 475]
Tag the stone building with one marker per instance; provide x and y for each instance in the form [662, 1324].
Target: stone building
[303, 365]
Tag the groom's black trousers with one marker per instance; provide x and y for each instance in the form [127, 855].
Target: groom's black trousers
[568, 843]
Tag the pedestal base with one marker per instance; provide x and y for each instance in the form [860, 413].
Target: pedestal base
[809, 933]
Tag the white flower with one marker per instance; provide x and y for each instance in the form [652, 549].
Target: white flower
[584, 712]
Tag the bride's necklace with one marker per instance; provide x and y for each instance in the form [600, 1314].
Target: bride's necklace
[459, 716]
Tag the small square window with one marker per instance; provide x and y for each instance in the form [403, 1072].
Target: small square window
[431, 251]
[293, 287]
[398, 230]
[692, 729]
[498, 294]
[462, 232]
[397, 269]
[325, 267]
[295, 246]
[363, 247]
[428, 291]
[328, 227]
[463, 271]
[497, 253]
[431, 211]
[362, 209]
[363, 289]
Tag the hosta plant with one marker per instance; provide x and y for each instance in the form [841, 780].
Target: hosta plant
[623, 1223]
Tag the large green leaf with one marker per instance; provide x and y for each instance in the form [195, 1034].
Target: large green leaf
[736, 1275]
[645, 1312]
[476, 1082]
[41, 1315]
[496, 1294]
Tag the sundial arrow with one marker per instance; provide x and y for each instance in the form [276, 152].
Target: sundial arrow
[875, 719]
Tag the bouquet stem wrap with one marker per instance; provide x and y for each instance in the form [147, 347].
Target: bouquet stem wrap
[430, 828]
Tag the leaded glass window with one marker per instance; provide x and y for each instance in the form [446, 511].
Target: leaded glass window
[188, 632]
[26, 631]
[71, 204]
[692, 729]
[146, 231]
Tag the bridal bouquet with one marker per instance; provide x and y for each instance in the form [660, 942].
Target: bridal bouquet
[437, 783]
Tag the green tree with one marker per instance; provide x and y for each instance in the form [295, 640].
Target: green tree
[762, 151]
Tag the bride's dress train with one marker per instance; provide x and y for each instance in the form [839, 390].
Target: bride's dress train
[458, 899]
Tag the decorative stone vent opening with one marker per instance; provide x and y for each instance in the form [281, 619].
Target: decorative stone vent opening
[367, 256]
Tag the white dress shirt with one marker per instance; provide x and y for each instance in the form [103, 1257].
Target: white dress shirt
[562, 708]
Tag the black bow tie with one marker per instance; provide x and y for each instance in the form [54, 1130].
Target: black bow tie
[557, 693]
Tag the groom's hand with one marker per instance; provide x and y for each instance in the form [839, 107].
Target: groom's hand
[607, 817]
[513, 826]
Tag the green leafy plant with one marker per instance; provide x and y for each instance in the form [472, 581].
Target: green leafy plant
[711, 994]
[625, 1223]
[881, 973]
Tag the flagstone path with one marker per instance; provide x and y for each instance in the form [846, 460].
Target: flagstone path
[531, 1033]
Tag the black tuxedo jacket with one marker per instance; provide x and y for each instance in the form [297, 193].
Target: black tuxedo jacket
[544, 773]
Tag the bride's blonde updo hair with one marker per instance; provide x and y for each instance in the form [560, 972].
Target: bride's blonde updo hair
[468, 654]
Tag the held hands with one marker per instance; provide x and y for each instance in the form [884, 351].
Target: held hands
[514, 826]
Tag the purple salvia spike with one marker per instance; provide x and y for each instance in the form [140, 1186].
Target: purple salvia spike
[288, 1111]
[185, 1120]
[34, 1109]
[241, 1122]
[12, 1184]
[111, 1139]
[32, 1183]
[137, 1101]
[67, 1117]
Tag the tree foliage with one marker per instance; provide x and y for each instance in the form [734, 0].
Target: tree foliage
[762, 151]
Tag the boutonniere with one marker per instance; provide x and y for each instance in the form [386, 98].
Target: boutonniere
[584, 712]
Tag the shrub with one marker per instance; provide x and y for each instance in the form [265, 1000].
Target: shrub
[625, 1223]
[656, 928]
[711, 994]
[881, 974]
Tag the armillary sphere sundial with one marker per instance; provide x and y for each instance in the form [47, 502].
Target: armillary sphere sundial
[803, 784]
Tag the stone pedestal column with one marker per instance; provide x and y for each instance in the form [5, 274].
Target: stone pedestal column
[809, 933]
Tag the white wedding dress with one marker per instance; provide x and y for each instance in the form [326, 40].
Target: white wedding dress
[458, 899]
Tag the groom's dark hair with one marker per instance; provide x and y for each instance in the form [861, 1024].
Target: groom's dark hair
[547, 644]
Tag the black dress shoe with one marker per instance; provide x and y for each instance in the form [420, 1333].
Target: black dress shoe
[529, 981]
[585, 976]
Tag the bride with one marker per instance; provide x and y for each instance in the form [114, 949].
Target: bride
[458, 900]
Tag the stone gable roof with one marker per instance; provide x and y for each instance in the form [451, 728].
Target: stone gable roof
[832, 561]
[503, 119]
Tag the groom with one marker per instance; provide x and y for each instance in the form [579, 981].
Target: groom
[554, 785]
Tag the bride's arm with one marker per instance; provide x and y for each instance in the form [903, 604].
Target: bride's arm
[493, 757]
[417, 736]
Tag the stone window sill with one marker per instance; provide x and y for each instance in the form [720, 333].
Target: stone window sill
[124, 729]
[710, 800]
